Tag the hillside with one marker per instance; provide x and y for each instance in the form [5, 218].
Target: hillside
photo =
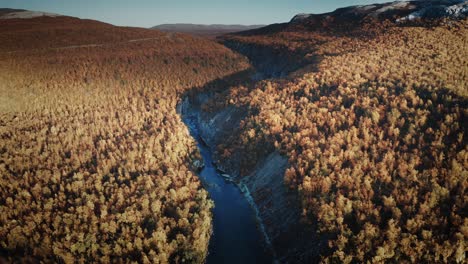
[65, 32]
[95, 162]
[210, 31]
[290, 46]
[341, 135]
[363, 122]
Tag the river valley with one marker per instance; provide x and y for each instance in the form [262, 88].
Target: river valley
[236, 238]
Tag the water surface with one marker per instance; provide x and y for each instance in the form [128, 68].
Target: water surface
[236, 238]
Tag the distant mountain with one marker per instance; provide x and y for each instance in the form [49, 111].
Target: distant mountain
[205, 30]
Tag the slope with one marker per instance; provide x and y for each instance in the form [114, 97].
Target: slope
[368, 112]
[210, 31]
[95, 163]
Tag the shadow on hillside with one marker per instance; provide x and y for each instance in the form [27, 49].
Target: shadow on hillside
[293, 241]
[275, 62]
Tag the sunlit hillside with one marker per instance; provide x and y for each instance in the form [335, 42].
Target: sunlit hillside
[332, 138]
[95, 163]
[374, 131]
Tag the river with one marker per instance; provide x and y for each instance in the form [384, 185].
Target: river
[236, 238]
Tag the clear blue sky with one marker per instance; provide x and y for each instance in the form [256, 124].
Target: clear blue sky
[146, 13]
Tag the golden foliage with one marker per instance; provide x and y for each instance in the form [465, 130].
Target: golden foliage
[376, 138]
[93, 156]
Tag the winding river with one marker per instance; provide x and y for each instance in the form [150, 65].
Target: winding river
[236, 238]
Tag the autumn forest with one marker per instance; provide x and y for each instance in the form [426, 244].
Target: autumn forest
[369, 115]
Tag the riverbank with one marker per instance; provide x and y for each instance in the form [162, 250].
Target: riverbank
[237, 236]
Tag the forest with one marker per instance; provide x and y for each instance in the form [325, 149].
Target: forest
[95, 163]
[375, 135]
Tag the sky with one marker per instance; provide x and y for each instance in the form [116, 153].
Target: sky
[148, 13]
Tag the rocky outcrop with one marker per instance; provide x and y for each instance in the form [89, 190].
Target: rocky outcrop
[456, 11]
[400, 10]
[213, 127]
[24, 14]
[280, 212]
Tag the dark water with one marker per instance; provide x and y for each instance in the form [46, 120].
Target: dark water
[236, 238]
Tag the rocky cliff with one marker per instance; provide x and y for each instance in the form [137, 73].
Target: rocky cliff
[278, 209]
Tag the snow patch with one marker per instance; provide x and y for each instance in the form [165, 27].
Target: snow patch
[393, 6]
[300, 17]
[439, 11]
[365, 7]
[460, 10]
[27, 14]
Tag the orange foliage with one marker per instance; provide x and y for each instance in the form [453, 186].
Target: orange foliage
[375, 137]
[93, 156]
